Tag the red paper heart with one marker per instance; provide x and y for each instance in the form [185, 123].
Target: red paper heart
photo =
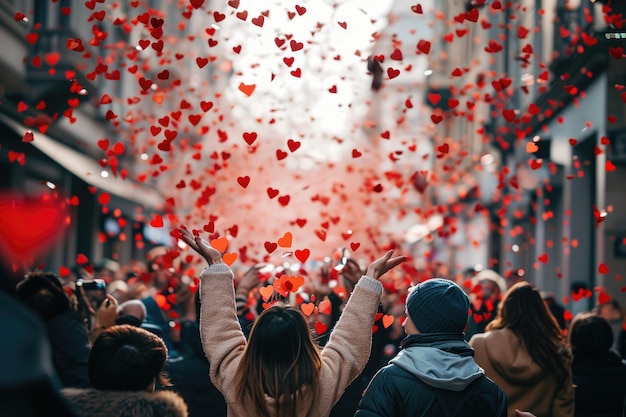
[302, 255]
[320, 328]
[29, 226]
[270, 246]
[196, 3]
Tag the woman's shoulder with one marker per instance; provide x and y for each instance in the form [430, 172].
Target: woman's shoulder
[492, 336]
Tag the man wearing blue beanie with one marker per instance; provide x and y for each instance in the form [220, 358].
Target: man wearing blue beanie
[435, 373]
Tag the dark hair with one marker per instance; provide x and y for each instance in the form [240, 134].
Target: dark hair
[590, 334]
[524, 312]
[43, 293]
[280, 358]
[127, 358]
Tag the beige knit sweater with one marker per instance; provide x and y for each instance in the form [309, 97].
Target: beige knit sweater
[343, 357]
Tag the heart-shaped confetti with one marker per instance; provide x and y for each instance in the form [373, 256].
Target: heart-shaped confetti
[229, 258]
[307, 308]
[320, 328]
[220, 244]
[266, 292]
[29, 226]
[286, 240]
[302, 254]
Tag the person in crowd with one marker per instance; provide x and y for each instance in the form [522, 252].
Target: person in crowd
[613, 313]
[487, 288]
[434, 374]
[279, 371]
[131, 312]
[524, 351]
[189, 373]
[348, 274]
[599, 373]
[27, 369]
[43, 293]
[125, 365]
[119, 290]
[557, 310]
[162, 314]
[107, 270]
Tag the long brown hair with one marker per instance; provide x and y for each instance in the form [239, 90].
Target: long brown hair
[523, 311]
[279, 360]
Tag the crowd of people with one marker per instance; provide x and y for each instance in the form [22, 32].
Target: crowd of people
[373, 340]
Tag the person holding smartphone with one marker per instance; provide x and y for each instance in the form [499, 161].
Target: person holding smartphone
[43, 293]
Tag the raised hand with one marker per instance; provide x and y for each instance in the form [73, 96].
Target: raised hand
[379, 267]
[107, 312]
[201, 246]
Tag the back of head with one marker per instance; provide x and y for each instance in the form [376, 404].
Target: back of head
[43, 293]
[438, 305]
[522, 304]
[280, 357]
[524, 312]
[590, 334]
[126, 358]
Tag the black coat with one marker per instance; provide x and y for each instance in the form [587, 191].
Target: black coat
[599, 385]
[189, 373]
[70, 349]
[398, 393]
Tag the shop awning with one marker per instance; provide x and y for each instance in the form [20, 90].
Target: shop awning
[88, 169]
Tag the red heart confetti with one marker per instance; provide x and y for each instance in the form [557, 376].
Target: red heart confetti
[243, 181]
[233, 91]
[423, 46]
[29, 226]
[286, 240]
[247, 89]
[302, 254]
[320, 328]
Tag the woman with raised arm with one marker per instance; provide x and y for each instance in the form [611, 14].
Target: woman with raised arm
[279, 371]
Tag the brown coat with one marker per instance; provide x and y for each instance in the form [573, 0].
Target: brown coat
[343, 357]
[96, 403]
[527, 387]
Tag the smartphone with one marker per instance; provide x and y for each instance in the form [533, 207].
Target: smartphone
[343, 260]
[95, 290]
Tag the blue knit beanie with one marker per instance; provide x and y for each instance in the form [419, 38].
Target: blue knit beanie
[438, 306]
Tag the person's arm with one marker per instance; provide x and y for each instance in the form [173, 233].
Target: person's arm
[223, 341]
[348, 349]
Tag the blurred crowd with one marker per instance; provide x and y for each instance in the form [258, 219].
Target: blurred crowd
[127, 337]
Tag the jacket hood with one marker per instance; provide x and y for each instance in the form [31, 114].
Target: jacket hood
[439, 368]
[510, 358]
[97, 403]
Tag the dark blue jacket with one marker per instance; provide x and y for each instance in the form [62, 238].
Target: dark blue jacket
[434, 375]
